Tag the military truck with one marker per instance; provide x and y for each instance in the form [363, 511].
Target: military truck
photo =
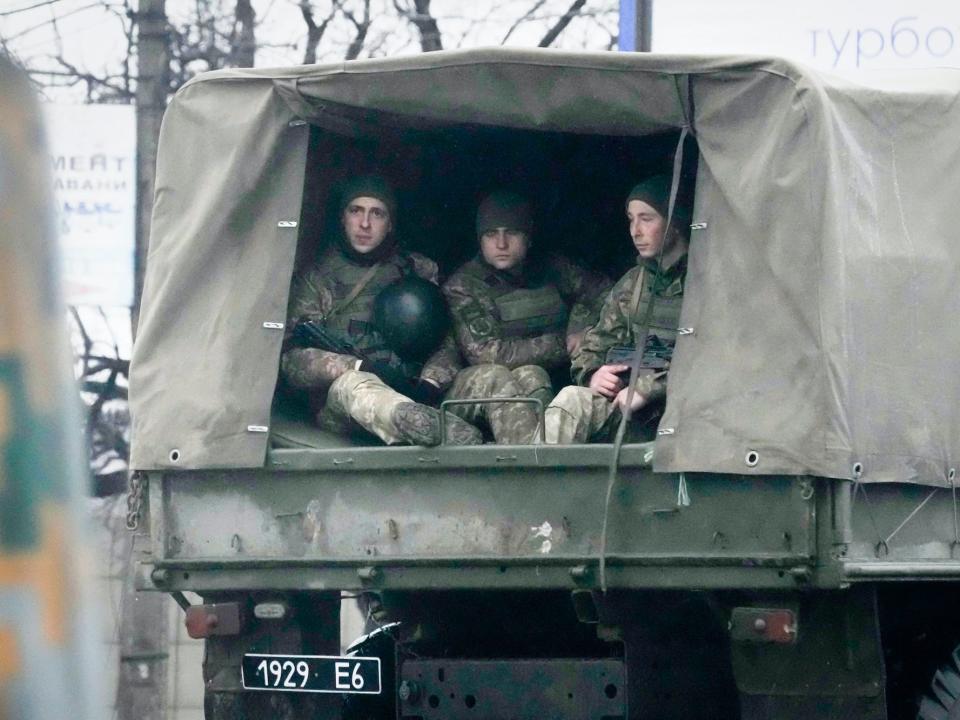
[787, 546]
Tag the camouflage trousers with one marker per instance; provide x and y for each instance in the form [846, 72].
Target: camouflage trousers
[578, 415]
[510, 423]
[362, 400]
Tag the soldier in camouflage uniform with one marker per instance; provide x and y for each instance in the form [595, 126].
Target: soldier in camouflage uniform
[589, 410]
[516, 322]
[377, 392]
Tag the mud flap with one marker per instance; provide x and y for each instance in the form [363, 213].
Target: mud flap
[834, 670]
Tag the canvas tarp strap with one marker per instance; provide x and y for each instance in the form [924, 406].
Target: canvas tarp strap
[354, 291]
[635, 296]
[641, 343]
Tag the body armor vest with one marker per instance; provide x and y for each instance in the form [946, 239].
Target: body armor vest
[529, 312]
[664, 320]
[355, 321]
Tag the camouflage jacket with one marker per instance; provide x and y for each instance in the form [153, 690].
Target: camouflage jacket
[476, 293]
[619, 324]
[326, 284]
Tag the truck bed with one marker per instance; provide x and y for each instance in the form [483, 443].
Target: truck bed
[526, 517]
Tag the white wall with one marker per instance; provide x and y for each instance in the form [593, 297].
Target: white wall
[839, 36]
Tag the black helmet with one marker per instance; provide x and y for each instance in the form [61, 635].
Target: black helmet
[411, 315]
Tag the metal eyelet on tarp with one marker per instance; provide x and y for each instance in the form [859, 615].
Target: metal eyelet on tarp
[666, 431]
[258, 428]
[287, 224]
[698, 226]
[174, 455]
[297, 122]
[685, 331]
[273, 325]
[751, 458]
[857, 470]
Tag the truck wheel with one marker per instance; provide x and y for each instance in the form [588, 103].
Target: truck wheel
[943, 701]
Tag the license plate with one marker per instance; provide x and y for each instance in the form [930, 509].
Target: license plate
[311, 673]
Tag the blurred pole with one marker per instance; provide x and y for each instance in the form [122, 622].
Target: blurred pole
[50, 661]
[142, 682]
[152, 84]
[636, 25]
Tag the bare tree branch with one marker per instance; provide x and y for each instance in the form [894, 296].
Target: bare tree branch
[107, 422]
[427, 25]
[526, 17]
[93, 82]
[125, 15]
[315, 32]
[211, 34]
[561, 24]
[362, 26]
[47, 22]
[43, 3]
[243, 47]
[376, 43]
[419, 15]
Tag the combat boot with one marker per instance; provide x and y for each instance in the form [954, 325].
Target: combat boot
[420, 425]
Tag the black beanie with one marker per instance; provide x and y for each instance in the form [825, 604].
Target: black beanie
[655, 192]
[370, 186]
[504, 209]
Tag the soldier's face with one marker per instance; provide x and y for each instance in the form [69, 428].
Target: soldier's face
[366, 223]
[647, 229]
[504, 248]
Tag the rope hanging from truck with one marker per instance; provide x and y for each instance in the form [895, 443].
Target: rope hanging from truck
[641, 343]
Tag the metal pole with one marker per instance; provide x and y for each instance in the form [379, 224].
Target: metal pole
[153, 73]
[636, 25]
[142, 682]
[645, 24]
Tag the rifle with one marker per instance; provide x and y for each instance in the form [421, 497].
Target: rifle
[314, 334]
[656, 355]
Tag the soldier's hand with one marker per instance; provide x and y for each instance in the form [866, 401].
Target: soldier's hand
[573, 342]
[607, 381]
[636, 402]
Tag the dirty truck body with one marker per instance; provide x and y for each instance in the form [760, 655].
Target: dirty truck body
[786, 548]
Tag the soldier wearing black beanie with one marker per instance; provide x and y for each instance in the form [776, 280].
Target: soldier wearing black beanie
[652, 289]
[516, 321]
[357, 383]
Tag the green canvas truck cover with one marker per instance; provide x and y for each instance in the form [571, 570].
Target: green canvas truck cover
[822, 293]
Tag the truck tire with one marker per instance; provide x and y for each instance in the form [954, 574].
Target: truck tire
[943, 701]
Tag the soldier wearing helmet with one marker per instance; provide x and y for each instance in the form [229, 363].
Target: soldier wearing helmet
[591, 409]
[516, 320]
[357, 380]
